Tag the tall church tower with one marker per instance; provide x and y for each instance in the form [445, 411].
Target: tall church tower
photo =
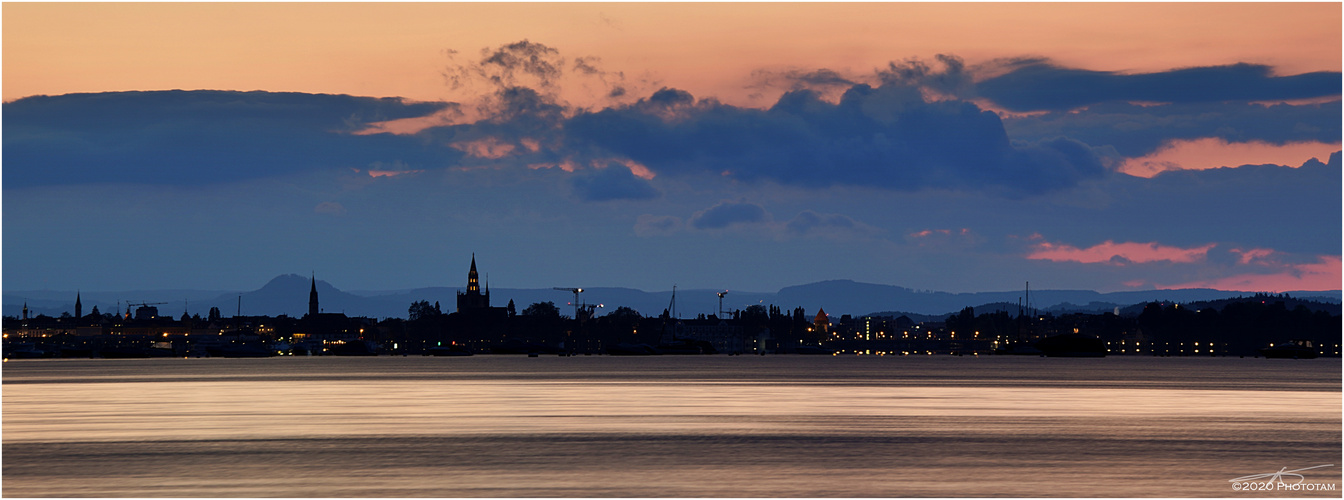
[312, 298]
[473, 298]
[473, 278]
[79, 308]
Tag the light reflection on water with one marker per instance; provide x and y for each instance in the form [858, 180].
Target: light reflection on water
[668, 426]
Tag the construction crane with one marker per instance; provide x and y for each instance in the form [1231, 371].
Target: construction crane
[721, 294]
[576, 292]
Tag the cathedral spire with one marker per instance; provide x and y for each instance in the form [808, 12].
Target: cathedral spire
[472, 299]
[312, 297]
[473, 278]
[79, 308]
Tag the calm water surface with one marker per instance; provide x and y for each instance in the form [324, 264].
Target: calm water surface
[714, 426]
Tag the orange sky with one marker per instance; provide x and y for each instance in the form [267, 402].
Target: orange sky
[386, 49]
[1206, 153]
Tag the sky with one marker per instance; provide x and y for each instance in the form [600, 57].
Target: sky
[944, 146]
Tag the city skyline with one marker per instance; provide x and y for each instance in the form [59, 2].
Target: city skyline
[959, 148]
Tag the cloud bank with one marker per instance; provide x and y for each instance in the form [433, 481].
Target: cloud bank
[888, 137]
[1039, 85]
[728, 213]
[909, 129]
[614, 182]
[200, 137]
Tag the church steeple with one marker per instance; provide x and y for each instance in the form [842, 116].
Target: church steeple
[473, 299]
[25, 309]
[312, 298]
[473, 279]
[79, 308]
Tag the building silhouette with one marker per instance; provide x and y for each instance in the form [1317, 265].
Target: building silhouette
[322, 327]
[473, 300]
[312, 298]
[822, 323]
[475, 321]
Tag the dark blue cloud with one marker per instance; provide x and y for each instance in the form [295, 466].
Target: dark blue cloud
[1285, 208]
[1331, 163]
[728, 213]
[887, 137]
[1222, 102]
[797, 79]
[1036, 86]
[950, 78]
[615, 182]
[181, 137]
[668, 98]
[809, 221]
[1135, 131]
[511, 113]
[291, 109]
[524, 105]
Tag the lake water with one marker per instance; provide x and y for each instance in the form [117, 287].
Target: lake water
[678, 426]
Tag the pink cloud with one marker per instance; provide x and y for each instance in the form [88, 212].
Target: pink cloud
[943, 238]
[1109, 252]
[1253, 255]
[489, 148]
[567, 166]
[945, 232]
[1324, 274]
[391, 173]
[637, 169]
[929, 232]
[408, 126]
[531, 144]
[1210, 152]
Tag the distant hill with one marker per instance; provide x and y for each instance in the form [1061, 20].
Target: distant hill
[1289, 301]
[288, 295]
[878, 299]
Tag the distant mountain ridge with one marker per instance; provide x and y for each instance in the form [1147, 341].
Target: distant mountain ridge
[288, 295]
